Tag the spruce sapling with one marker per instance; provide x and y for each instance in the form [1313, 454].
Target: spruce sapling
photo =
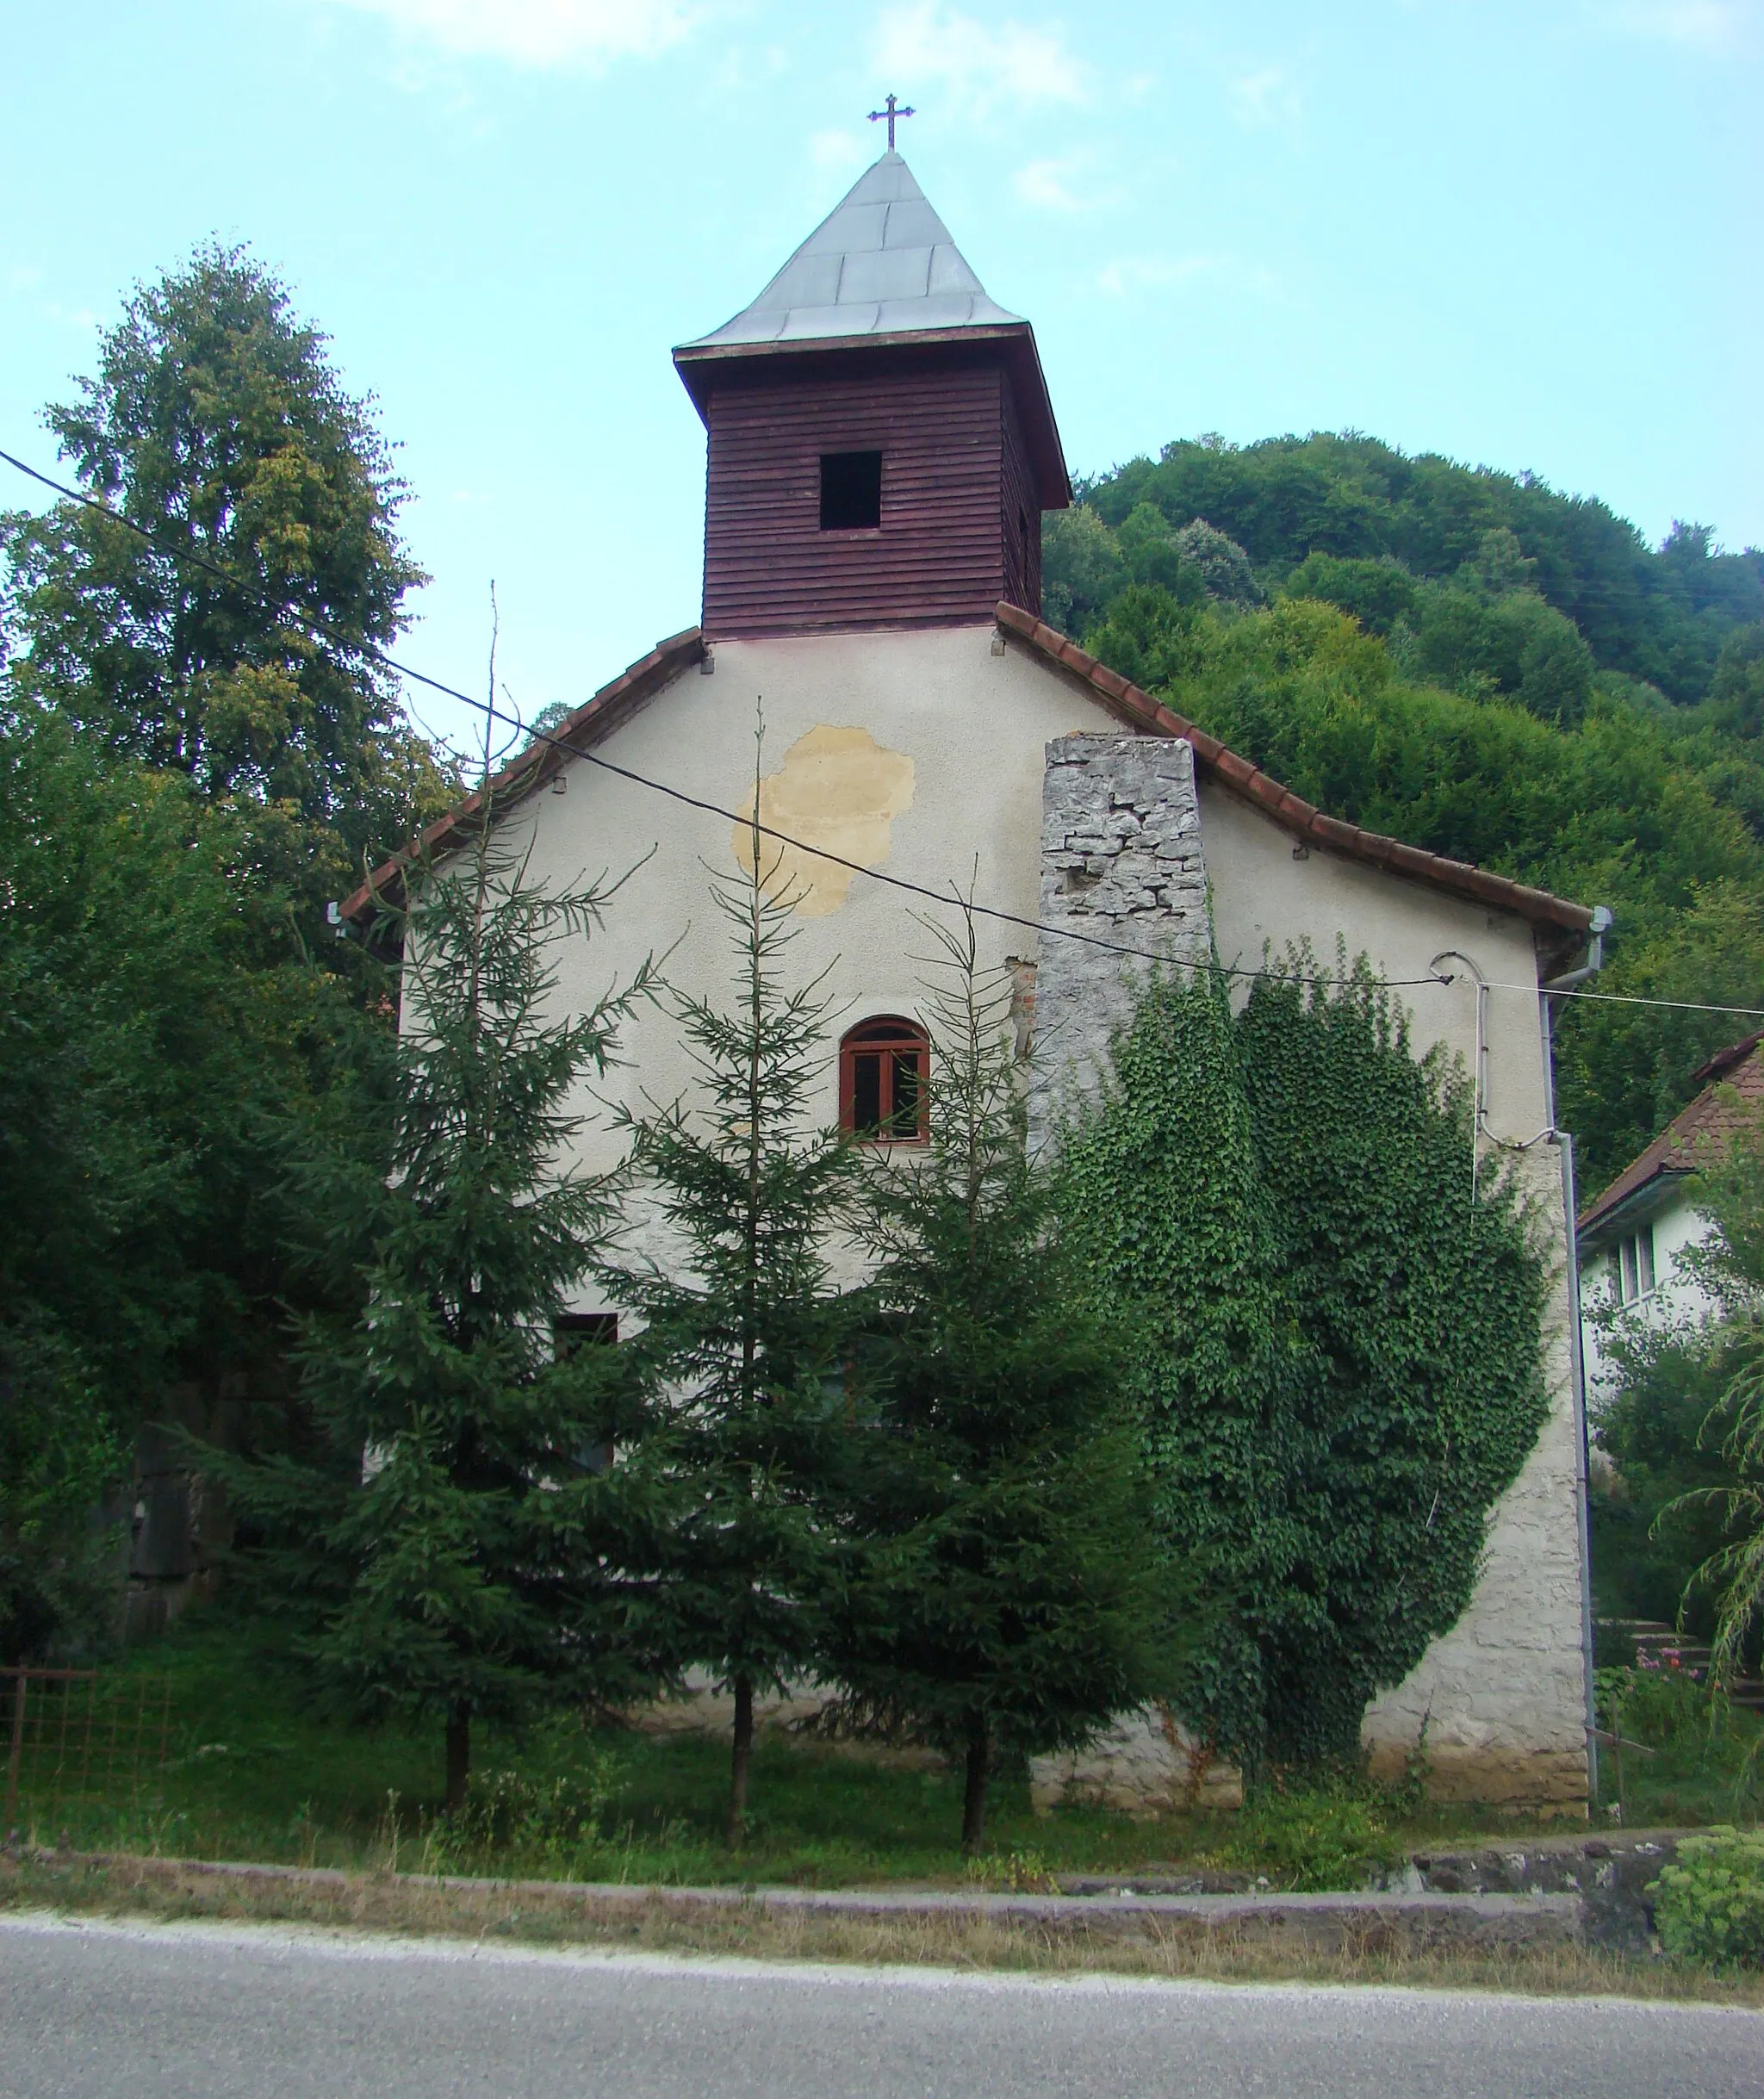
[426, 1537]
[741, 1350]
[1004, 1597]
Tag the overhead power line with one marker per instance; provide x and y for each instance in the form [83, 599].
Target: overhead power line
[325, 630]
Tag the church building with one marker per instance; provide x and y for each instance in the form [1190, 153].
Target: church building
[881, 448]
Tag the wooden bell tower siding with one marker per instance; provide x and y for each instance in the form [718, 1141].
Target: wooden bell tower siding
[875, 339]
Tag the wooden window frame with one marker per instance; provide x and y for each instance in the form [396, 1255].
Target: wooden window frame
[1634, 1266]
[888, 1037]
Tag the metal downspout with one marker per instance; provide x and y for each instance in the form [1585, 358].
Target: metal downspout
[1577, 1364]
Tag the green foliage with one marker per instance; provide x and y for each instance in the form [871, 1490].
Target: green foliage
[741, 1353]
[158, 1023]
[547, 1816]
[1149, 635]
[1709, 1902]
[1340, 1372]
[1648, 1539]
[1659, 617]
[1731, 1186]
[216, 421]
[1335, 1831]
[1686, 1754]
[1518, 681]
[61, 1456]
[445, 1531]
[1003, 1596]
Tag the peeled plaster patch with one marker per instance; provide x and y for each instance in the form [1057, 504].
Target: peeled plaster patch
[838, 791]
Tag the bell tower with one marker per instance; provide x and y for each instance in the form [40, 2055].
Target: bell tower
[880, 441]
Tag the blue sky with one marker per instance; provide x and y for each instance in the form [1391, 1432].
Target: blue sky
[1527, 234]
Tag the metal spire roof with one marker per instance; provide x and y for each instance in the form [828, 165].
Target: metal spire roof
[881, 262]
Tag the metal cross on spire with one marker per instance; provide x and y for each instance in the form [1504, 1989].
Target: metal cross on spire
[887, 116]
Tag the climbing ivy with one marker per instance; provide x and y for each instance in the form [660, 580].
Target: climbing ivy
[1339, 1364]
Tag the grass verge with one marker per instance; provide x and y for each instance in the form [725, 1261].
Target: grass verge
[162, 1890]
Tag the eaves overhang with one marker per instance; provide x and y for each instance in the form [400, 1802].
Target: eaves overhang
[705, 366]
[1620, 1218]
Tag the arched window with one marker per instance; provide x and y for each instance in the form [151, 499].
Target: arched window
[883, 1066]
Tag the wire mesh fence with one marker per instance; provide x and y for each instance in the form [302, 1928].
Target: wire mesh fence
[72, 1737]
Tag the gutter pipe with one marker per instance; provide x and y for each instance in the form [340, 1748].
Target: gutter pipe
[1577, 1362]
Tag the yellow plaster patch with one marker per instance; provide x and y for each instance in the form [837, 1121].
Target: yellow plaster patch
[838, 790]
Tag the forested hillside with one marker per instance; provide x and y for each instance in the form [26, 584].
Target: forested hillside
[1481, 666]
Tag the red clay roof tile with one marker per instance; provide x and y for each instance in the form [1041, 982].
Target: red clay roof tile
[1730, 1099]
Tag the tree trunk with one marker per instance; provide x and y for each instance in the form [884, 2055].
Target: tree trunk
[973, 1806]
[459, 1755]
[742, 1758]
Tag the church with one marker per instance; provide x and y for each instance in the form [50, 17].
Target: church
[881, 448]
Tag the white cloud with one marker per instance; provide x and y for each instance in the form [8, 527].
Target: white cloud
[1054, 186]
[1704, 25]
[1265, 98]
[586, 33]
[980, 67]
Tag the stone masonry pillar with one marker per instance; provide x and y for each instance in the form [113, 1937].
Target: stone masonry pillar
[1121, 860]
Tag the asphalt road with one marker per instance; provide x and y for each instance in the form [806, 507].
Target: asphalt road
[198, 2011]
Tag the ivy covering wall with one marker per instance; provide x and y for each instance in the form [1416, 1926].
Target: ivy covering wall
[1338, 1347]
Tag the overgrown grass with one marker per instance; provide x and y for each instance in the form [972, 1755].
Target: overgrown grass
[256, 1772]
[1700, 1761]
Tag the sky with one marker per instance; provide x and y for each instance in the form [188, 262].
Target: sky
[1522, 234]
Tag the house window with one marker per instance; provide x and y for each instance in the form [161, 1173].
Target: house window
[576, 1330]
[883, 1066]
[851, 491]
[1632, 1265]
[573, 1328]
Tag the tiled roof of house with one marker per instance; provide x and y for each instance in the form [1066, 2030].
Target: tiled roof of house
[591, 723]
[1733, 1082]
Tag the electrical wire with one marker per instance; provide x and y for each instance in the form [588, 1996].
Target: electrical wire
[325, 630]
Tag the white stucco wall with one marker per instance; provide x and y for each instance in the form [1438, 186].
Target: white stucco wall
[974, 726]
[1676, 1296]
[1502, 1694]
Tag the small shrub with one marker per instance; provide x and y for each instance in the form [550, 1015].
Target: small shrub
[1018, 1872]
[1331, 1833]
[1666, 1703]
[1709, 1905]
[552, 1822]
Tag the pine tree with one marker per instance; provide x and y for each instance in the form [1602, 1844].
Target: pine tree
[741, 1356]
[1006, 1598]
[446, 1533]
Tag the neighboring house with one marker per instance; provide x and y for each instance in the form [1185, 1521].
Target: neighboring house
[1631, 1239]
[881, 448]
